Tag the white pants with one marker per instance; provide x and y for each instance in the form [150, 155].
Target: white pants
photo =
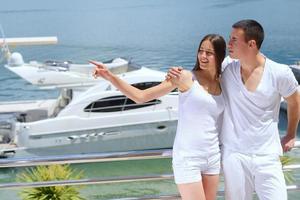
[245, 174]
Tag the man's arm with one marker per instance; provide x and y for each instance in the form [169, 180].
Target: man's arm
[293, 115]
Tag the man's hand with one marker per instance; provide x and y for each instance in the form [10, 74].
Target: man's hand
[180, 78]
[174, 74]
[287, 143]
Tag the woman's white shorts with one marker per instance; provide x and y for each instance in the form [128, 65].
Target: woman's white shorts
[188, 169]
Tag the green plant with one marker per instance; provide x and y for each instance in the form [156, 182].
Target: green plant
[288, 174]
[50, 173]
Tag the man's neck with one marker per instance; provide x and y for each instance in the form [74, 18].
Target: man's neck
[252, 62]
[252, 71]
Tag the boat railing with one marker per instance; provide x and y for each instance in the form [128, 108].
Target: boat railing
[106, 157]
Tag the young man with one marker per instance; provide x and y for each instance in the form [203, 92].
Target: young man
[253, 86]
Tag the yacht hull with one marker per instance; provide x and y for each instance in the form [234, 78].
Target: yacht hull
[156, 135]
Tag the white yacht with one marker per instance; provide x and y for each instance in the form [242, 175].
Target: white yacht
[89, 116]
[91, 119]
[60, 74]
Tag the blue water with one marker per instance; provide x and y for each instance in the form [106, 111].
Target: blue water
[155, 33]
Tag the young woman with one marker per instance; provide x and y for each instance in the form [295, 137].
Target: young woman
[196, 154]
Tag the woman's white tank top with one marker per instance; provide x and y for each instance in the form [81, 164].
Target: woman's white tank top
[199, 122]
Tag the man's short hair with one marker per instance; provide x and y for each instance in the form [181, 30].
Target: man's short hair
[252, 29]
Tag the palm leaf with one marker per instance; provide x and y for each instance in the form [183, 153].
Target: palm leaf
[50, 173]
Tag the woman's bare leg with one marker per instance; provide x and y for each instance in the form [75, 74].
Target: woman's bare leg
[210, 186]
[191, 191]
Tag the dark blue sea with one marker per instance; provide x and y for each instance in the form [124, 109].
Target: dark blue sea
[154, 33]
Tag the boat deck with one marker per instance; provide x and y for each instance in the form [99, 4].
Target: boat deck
[7, 146]
[22, 106]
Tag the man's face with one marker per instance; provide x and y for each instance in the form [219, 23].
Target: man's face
[237, 45]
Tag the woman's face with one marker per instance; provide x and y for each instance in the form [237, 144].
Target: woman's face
[206, 56]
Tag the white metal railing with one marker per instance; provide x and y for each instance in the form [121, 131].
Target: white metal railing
[97, 157]
[85, 158]
[105, 157]
[124, 179]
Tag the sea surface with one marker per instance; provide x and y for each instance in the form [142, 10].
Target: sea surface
[154, 33]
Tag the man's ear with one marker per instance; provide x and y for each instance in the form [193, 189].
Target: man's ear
[252, 44]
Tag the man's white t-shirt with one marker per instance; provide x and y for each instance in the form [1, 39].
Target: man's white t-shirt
[250, 123]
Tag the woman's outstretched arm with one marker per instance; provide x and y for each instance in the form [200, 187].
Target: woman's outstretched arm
[137, 95]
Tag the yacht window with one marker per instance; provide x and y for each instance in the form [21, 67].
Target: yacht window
[117, 103]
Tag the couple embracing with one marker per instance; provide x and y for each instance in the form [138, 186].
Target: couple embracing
[232, 103]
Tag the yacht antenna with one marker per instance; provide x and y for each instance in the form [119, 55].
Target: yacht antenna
[4, 46]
